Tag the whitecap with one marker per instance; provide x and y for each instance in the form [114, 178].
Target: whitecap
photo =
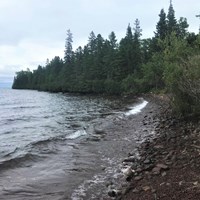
[136, 109]
[76, 134]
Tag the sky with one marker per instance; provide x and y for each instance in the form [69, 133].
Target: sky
[34, 30]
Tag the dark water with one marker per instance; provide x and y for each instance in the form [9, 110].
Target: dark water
[44, 141]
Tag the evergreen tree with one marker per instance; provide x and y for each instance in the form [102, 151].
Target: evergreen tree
[137, 54]
[68, 48]
[182, 27]
[126, 53]
[171, 20]
[92, 43]
[161, 27]
[112, 40]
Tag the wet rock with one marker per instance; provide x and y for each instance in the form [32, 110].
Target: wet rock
[94, 139]
[99, 131]
[128, 173]
[109, 184]
[131, 154]
[112, 193]
[130, 159]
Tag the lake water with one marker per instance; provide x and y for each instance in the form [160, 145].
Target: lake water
[44, 141]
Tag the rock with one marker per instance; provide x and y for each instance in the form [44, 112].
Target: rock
[127, 189]
[94, 139]
[137, 178]
[148, 167]
[129, 159]
[135, 190]
[153, 191]
[130, 154]
[163, 174]
[112, 193]
[147, 161]
[158, 146]
[156, 170]
[162, 166]
[109, 184]
[138, 170]
[146, 188]
[128, 172]
[195, 183]
[99, 131]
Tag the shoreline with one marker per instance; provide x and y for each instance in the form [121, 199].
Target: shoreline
[168, 166]
[116, 140]
[157, 156]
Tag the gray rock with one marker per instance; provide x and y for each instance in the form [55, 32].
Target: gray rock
[137, 178]
[129, 159]
[162, 166]
[164, 174]
[135, 190]
[99, 131]
[156, 170]
[147, 161]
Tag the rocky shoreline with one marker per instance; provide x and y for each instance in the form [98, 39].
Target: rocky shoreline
[168, 166]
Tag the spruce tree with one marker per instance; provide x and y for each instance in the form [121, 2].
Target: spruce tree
[171, 20]
[161, 27]
[137, 55]
[68, 48]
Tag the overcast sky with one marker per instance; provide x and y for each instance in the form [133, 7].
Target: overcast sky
[34, 30]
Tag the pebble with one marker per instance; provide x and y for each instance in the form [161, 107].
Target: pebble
[137, 178]
[146, 188]
[147, 161]
[156, 170]
[135, 190]
[129, 159]
[164, 174]
[162, 166]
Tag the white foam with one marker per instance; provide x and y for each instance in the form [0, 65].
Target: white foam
[76, 134]
[136, 109]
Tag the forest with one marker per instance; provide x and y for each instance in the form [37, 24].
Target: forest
[169, 62]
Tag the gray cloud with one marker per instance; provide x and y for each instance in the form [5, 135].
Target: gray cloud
[34, 30]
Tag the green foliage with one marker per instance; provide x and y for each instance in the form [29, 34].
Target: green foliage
[153, 73]
[185, 86]
[132, 84]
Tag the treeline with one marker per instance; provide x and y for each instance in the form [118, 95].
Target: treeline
[169, 61]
